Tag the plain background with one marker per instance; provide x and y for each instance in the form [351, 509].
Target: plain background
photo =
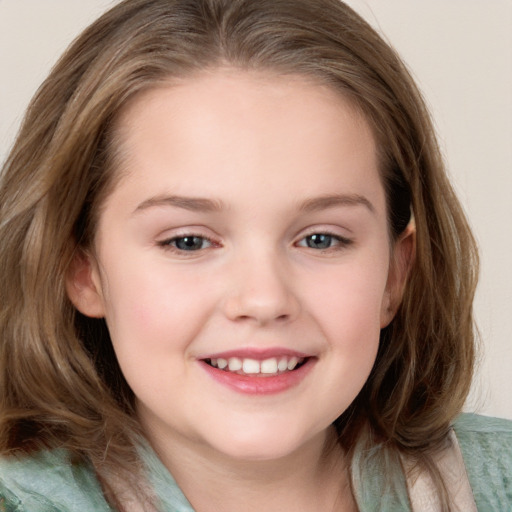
[459, 51]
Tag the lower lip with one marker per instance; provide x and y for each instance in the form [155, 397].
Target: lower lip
[260, 385]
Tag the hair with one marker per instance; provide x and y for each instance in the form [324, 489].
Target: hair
[60, 382]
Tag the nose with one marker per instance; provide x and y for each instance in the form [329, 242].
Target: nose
[260, 291]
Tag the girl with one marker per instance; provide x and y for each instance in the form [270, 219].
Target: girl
[235, 276]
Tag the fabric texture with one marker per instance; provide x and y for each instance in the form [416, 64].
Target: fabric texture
[422, 490]
[486, 446]
[52, 482]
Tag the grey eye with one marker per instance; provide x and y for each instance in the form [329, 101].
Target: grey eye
[189, 243]
[319, 241]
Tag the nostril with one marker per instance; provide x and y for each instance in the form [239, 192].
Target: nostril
[242, 318]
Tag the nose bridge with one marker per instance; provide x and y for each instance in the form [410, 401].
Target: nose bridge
[261, 287]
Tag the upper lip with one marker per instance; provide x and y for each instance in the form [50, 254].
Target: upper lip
[258, 354]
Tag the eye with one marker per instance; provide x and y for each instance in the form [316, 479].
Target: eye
[187, 243]
[323, 241]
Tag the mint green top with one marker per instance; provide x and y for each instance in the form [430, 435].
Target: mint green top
[49, 482]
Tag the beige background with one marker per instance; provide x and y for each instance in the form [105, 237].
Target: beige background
[460, 52]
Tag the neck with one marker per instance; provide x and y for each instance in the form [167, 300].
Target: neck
[310, 479]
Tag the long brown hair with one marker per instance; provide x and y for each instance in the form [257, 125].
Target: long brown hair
[59, 379]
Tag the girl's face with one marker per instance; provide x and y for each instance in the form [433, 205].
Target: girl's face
[243, 263]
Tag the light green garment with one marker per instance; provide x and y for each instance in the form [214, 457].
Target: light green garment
[49, 482]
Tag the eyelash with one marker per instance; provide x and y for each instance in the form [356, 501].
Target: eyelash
[341, 242]
[171, 244]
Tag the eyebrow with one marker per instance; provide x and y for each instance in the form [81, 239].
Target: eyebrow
[195, 204]
[332, 200]
[200, 204]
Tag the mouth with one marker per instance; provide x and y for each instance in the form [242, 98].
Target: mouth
[259, 373]
[269, 367]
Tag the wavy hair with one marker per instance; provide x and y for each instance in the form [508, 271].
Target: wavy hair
[59, 379]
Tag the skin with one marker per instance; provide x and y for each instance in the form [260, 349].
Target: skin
[265, 152]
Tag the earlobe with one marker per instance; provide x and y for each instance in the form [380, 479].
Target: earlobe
[83, 285]
[402, 260]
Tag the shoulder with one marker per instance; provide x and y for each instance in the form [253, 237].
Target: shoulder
[483, 434]
[48, 481]
[486, 446]
[468, 422]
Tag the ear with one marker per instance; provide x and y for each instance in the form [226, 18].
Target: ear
[402, 259]
[83, 285]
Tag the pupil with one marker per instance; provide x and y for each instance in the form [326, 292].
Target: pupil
[189, 243]
[320, 241]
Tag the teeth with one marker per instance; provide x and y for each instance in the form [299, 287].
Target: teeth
[234, 364]
[292, 363]
[271, 366]
[282, 366]
[251, 366]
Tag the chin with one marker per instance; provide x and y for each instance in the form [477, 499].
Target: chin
[256, 452]
[266, 444]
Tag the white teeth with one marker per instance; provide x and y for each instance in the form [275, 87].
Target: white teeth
[251, 366]
[234, 364]
[292, 363]
[283, 364]
[271, 366]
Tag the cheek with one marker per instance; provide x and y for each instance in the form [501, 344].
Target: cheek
[151, 311]
[348, 310]
[351, 297]
[152, 324]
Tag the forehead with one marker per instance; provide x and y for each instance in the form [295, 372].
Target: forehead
[227, 127]
[199, 98]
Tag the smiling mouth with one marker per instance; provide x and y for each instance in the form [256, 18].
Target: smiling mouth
[252, 367]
